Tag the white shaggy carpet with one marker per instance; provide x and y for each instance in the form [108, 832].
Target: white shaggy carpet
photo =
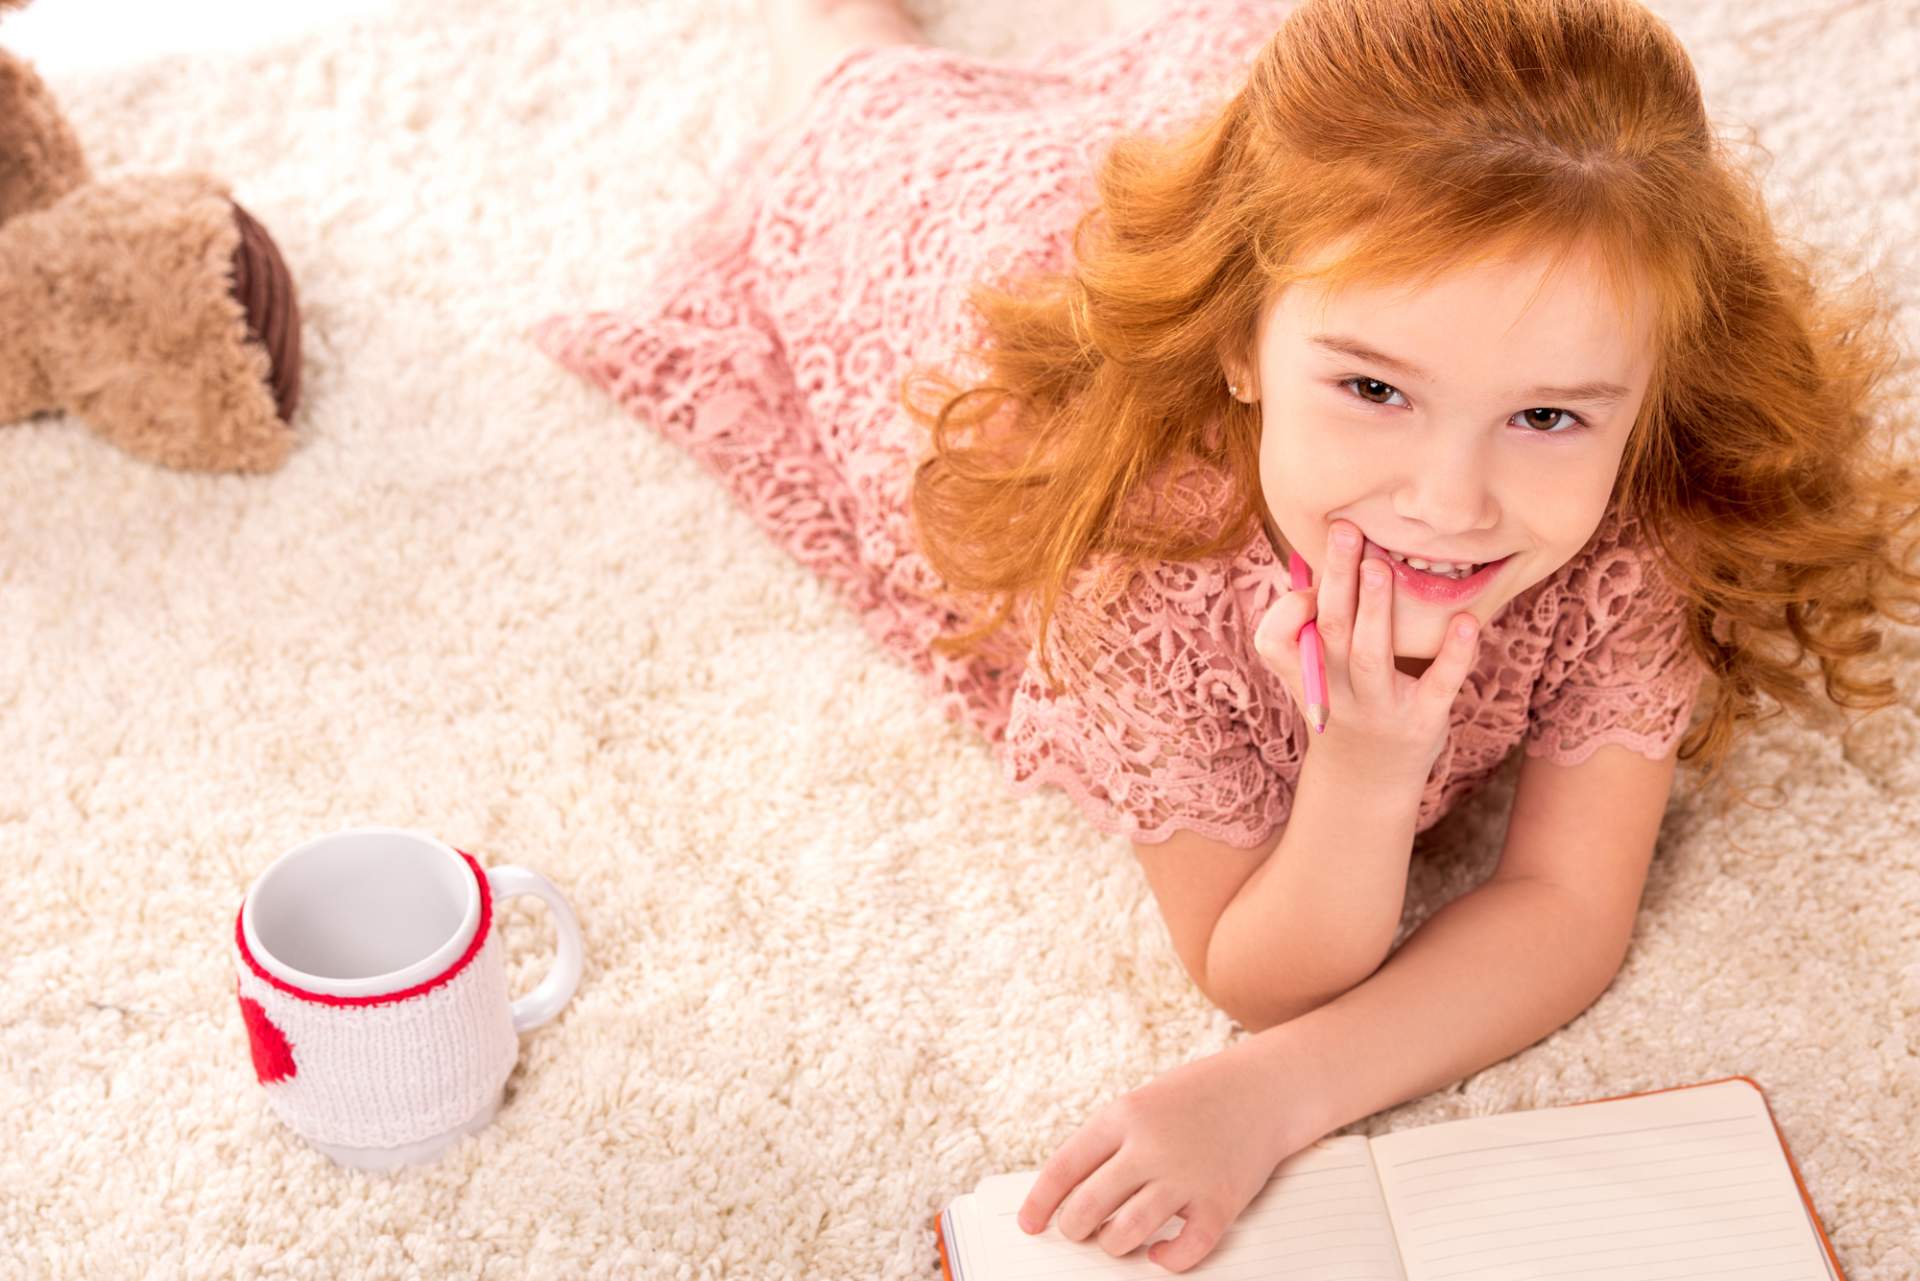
[834, 974]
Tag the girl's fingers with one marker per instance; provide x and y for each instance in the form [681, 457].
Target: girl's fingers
[1339, 591]
[1141, 1218]
[1064, 1174]
[1277, 639]
[1089, 1206]
[1370, 669]
[1201, 1228]
[1441, 682]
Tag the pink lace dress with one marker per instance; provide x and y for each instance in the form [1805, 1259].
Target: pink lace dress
[777, 324]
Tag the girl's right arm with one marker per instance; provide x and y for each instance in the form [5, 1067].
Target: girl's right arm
[1319, 914]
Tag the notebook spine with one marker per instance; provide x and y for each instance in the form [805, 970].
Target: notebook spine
[941, 1224]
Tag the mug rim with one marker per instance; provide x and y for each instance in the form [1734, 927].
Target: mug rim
[247, 941]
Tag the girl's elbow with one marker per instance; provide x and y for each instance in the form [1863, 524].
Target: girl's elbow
[1272, 1004]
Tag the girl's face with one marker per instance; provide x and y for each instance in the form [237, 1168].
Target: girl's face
[1460, 423]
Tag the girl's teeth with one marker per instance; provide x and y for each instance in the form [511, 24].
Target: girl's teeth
[1439, 568]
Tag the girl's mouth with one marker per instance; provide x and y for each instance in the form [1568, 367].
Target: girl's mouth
[1437, 589]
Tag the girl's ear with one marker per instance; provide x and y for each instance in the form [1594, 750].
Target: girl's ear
[1237, 374]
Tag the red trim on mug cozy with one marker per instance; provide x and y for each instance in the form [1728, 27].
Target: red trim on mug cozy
[380, 998]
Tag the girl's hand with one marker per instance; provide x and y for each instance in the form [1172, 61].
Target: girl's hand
[1379, 718]
[1198, 1142]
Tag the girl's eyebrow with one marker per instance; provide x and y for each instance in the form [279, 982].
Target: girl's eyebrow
[1596, 391]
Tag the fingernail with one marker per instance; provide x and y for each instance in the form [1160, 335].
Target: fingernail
[1345, 539]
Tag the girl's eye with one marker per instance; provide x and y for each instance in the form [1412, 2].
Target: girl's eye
[1579, 424]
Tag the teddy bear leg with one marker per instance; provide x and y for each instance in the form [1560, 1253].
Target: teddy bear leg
[155, 342]
[40, 158]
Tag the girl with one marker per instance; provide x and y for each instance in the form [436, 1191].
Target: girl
[1465, 291]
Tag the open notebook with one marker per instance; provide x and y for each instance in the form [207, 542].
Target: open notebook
[1693, 1181]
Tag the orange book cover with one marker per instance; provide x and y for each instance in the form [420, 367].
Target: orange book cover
[1820, 1229]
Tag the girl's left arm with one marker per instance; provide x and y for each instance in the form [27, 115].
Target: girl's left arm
[1487, 975]
[1503, 965]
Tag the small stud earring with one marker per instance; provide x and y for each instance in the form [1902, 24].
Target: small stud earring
[1233, 391]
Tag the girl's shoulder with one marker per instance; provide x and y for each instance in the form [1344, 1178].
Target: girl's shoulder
[1195, 497]
[1167, 628]
[1162, 712]
[1609, 650]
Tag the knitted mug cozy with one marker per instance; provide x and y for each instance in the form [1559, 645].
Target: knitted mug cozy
[388, 1069]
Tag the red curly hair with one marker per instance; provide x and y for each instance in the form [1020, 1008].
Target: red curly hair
[1437, 134]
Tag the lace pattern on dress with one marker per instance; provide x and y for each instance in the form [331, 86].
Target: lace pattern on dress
[1151, 728]
[1620, 668]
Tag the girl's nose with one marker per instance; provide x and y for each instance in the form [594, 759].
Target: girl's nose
[1445, 488]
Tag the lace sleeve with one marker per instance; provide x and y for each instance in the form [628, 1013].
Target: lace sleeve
[1149, 730]
[1619, 669]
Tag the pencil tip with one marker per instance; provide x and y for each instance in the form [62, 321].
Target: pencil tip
[1317, 713]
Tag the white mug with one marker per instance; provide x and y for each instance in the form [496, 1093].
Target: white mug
[374, 996]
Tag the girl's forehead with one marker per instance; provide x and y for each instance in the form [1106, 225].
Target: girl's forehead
[1349, 267]
[1492, 300]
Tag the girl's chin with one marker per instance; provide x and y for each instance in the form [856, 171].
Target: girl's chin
[1415, 648]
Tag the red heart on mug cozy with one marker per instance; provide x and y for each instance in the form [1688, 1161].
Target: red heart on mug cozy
[272, 1056]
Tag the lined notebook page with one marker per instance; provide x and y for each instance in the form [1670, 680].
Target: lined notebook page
[1688, 1183]
[1319, 1218]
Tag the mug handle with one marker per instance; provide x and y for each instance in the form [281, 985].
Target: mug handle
[545, 1001]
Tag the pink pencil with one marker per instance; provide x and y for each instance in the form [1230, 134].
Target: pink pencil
[1313, 659]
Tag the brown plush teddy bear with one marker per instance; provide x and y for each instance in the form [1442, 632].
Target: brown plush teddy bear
[154, 309]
